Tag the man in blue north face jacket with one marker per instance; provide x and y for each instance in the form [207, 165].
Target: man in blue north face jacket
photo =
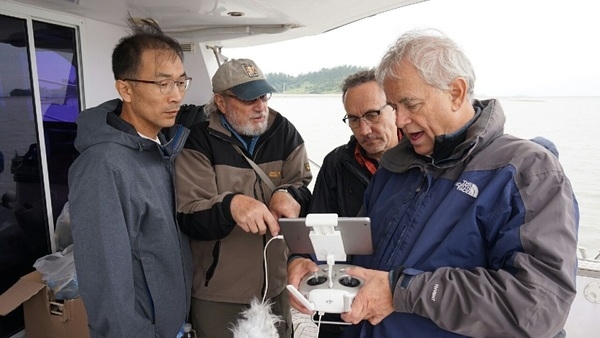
[474, 231]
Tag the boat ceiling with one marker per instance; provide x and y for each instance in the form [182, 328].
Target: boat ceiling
[230, 23]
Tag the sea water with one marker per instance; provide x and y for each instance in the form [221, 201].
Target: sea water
[572, 123]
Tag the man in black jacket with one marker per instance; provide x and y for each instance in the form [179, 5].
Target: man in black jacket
[347, 169]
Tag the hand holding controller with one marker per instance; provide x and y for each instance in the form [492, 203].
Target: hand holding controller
[318, 293]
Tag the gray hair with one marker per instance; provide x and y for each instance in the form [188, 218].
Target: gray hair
[211, 107]
[357, 79]
[437, 58]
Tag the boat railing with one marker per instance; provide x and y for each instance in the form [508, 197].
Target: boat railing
[588, 264]
[582, 253]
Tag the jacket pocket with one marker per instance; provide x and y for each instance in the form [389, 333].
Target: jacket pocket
[211, 269]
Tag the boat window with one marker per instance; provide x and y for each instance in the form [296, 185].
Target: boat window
[25, 128]
[57, 69]
[18, 132]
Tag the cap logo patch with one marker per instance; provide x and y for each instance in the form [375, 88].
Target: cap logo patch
[250, 70]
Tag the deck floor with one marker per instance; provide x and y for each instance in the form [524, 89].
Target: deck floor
[303, 325]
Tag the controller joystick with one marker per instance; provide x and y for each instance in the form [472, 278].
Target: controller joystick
[349, 281]
[316, 280]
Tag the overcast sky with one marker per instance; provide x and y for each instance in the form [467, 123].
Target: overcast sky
[517, 47]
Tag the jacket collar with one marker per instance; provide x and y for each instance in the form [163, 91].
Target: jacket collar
[172, 139]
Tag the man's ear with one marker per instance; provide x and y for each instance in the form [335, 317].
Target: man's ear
[124, 89]
[458, 92]
[220, 102]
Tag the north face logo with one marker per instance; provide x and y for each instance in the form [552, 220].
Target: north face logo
[468, 188]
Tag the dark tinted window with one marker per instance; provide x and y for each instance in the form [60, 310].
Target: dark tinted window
[24, 224]
[22, 213]
[57, 67]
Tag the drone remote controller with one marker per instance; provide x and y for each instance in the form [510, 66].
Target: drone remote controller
[330, 289]
[317, 292]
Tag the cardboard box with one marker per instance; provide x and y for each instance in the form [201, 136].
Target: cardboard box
[45, 317]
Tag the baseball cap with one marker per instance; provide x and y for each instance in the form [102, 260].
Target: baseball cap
[243, 78]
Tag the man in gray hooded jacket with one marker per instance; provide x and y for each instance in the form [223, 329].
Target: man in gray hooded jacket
[133, 264]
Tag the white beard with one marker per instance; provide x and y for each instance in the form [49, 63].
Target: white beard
[244, 126]
[257, 322]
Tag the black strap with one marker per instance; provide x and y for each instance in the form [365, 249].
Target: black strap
[257, 169]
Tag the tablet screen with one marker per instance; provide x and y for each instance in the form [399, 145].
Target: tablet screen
[355, 232]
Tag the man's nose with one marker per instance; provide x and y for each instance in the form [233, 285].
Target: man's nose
[260, 105]
[364, 127]
[176, 95]
[402, 118]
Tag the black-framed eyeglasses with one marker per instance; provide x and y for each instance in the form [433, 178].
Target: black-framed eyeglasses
[372, 116]
[166, 86]
[263, 98]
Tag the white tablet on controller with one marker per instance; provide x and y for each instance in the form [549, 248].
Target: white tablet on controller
[355, 233]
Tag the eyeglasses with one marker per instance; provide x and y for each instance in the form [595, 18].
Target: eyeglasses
[166, 86]
[263, 98]
[372, 116]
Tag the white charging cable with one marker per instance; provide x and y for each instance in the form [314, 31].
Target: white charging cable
[265, 263]
[319, 322]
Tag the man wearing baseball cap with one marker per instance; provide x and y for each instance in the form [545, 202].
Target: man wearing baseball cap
[240, 171]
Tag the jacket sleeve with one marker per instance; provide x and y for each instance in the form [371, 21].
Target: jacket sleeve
[296, 176]
[203, 212]
[102, 249]
[526, 291]
[324, 193]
